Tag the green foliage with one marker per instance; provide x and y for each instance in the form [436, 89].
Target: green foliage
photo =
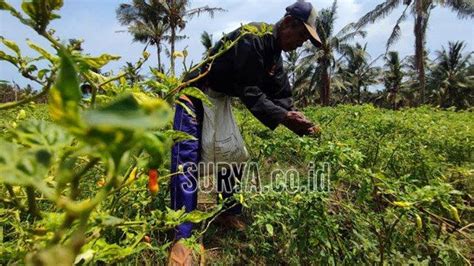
[399, 189]
[41, 12]
[12, 45]
[73, 181]
[42, 52]
[452, 78]
[196, 93]
[72, 184]
[99, 62]
[65, 94]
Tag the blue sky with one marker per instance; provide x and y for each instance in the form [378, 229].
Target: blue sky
[95, 22]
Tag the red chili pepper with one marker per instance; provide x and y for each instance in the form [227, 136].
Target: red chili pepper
[146, 239]
[153, 185]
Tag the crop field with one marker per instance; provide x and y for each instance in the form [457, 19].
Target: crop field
[399, 189]
[383, 176]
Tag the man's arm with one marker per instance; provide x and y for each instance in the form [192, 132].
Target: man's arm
[279, 86]
[281, 94]
[250, 71]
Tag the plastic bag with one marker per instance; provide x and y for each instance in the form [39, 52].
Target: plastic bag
[221, 141]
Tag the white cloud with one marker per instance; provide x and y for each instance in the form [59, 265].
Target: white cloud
[348, 11]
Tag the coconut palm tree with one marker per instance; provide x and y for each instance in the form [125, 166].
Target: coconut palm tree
[420, 10]
[409, 92]
[453, 76]
[290, 62]
[393, 76]
[132, 74]
[206, 41]
[298, 75]
[144, 21]
[321, 62]
[358, 73]
[340, 87]
[175, 13]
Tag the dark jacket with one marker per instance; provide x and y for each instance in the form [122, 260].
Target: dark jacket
[253, 71]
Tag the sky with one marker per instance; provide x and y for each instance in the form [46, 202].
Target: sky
[95, 22]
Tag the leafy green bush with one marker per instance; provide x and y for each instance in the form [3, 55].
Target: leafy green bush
[400, 184]
[73, 173]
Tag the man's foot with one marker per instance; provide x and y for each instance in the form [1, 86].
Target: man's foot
[229, 221]
[180, 255]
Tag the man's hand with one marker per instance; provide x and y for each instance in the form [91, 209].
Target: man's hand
[298, 123]
[314, 130]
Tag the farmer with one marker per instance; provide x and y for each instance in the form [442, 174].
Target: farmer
[252, 70]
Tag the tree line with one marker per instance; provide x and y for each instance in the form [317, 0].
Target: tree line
[341, 71]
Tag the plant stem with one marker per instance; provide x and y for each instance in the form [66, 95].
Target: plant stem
[58, 235]
[32, 208]
[14, 197]
[76, 178]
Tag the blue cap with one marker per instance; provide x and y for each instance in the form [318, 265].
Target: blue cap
[305, 12]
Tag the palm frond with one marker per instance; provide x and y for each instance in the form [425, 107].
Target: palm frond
[300, 79]
[180, 37]
[463, 8]
[396, 33]
[346, 29]
[350, 36]
[206, 40]
[140, 33]
[379, 12]
[205, 9]
[126, 14]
